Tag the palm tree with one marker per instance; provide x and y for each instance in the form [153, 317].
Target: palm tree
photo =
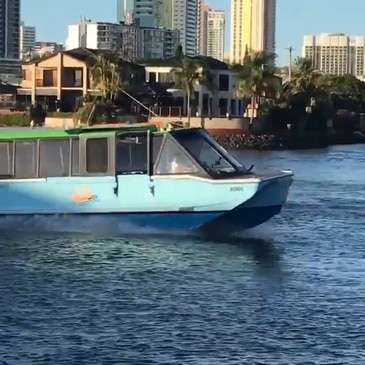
[305, 80]
[256, 78]
[106, 74]
[191, 70]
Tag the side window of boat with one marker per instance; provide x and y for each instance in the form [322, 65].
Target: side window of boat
[156, 146]
[6, 160]
[131, 153]
[26, 159]
[54, 157]
[97, 155]
[173, 160]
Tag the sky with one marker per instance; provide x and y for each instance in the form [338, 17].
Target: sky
[295, 18]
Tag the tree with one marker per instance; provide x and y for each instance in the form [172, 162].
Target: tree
[106, 74]
[191, 70]
[348, 86]
[256, 78]
[305, 81]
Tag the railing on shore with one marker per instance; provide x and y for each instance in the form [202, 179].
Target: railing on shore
[179, 112]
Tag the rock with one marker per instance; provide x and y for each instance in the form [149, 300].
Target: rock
[257, 142]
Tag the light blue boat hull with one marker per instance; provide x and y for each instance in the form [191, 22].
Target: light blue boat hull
[164, 204]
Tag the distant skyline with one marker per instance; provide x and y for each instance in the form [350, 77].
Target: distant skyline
[294, 19]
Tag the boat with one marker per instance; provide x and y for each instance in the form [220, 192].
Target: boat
[169, 180]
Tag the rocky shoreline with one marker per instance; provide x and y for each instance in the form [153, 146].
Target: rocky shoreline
[272, 142]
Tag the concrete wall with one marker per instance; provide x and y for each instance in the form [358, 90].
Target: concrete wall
[59, 122]
[208, 123]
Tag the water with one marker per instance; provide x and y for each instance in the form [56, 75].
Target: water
[289, 292]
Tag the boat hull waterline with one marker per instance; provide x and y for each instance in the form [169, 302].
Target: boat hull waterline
[168, 204]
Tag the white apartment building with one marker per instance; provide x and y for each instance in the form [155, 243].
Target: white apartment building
[253, 27]
[336, 53]
[185, 19]
[216, 30]
[27, 40]
[131, 40]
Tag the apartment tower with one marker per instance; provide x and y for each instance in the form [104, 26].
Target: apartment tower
[9, 37]
[203, 28]
[128, 11]
[253, 27]
[27, 40]
[336, 53]
[184, 16]
[216, 28]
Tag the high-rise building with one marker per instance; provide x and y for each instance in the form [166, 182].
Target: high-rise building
[215, 41]
[143, 10]
[130, 40]
[203, 28]
[336, 53]
[9, 36]
[181, 15]
[27, 40]
[253, 27]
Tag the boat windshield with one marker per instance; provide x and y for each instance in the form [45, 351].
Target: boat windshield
[207, 152]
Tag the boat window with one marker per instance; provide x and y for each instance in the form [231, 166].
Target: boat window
[97, 155]
[75, 167]
[6, 159]
[205, 153]
[131, 154]
[156, 146]
[54, 157]
[173, 160]
[25, 159]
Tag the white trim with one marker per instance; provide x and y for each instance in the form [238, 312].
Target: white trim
[42, 179]
[223, 181]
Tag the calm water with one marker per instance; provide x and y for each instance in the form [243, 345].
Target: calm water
[290, 292]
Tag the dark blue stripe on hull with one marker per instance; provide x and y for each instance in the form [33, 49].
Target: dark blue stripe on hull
[237, 219]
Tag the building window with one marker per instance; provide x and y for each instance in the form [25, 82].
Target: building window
[97, 155]
[223, 82]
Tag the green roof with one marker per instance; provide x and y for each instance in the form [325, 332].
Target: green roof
[49, 133]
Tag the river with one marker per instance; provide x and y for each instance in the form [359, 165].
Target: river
[291, 291]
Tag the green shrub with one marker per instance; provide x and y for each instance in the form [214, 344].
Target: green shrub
[14, 120]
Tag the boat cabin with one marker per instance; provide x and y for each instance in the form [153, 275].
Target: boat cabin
[111, 151]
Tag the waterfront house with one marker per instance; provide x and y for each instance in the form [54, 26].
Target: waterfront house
[62, 79]
[206, 103]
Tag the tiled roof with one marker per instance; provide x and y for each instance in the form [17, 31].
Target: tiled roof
[212, 63]
[83, 55]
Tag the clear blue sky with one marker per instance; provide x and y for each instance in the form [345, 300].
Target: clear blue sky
[295, 18]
